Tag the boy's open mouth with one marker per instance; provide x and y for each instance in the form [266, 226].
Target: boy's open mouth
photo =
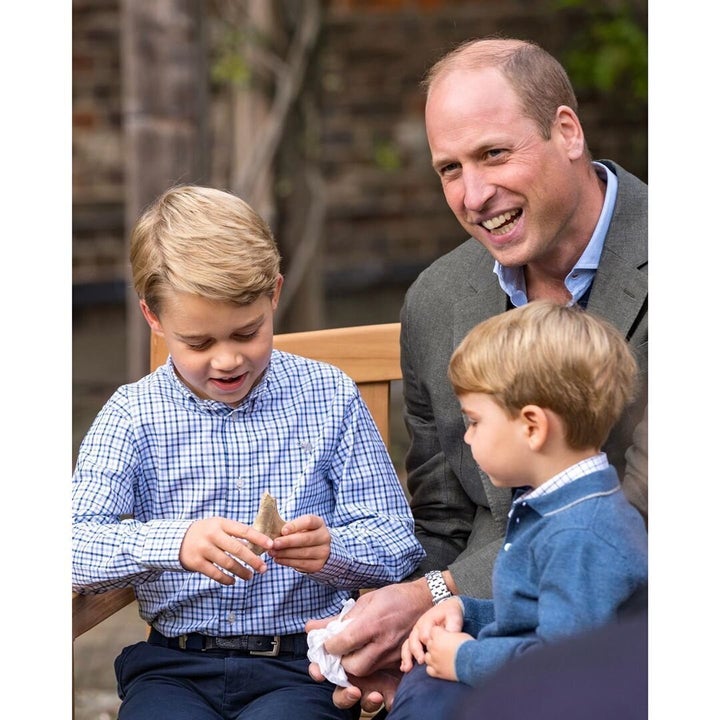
[229, 383]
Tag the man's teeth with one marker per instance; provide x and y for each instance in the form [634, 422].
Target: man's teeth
[501, 224]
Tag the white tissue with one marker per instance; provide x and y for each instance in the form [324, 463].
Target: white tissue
[329, 664]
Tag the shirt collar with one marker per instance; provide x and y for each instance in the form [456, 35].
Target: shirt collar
[579, 279]
[574, 472]
[249, 402]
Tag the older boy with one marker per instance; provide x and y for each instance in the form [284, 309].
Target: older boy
[540, 388]
[170, 476]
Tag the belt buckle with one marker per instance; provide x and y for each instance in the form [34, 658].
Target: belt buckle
[275, 642]
[182, 642]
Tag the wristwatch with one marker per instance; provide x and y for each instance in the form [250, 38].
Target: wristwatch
[438, 589]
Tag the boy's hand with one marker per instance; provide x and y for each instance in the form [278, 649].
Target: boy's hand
[213, 543]
[442, 648]
[303, 545]
[447, 615]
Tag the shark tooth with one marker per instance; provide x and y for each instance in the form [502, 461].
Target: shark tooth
[267, 520]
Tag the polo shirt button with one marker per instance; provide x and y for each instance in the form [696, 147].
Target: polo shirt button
[507, 546]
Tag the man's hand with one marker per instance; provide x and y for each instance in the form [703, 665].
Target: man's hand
[373, 691]
[382, 619]
[213, 545]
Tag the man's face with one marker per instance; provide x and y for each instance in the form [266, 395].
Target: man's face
[511, 189]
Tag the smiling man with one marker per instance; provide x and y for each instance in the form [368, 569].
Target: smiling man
[545, 221]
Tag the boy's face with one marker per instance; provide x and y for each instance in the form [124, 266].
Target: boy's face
[498, 442]
[220, 350]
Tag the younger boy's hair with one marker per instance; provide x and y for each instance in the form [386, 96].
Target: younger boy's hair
[202, 241]
[560, 358]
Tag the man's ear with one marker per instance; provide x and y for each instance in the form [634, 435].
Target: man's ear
[535, 424]
[276, 293]
[571, 132]
[152, 318]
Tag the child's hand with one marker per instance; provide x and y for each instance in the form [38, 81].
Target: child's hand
[213, 543]
[303, 545]
[442, 647]
[447, 615]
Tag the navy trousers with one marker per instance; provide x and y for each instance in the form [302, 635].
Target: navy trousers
[422, 696]
[157, 683]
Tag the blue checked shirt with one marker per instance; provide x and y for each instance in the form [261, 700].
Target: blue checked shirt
[157, 457]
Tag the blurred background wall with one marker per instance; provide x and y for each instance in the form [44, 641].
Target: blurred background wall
[312, 112]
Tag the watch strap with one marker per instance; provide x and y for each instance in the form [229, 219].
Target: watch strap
[438, 588]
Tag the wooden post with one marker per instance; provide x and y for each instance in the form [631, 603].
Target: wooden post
[164, 114]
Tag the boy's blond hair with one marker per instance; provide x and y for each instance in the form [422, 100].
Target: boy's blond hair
[557, 357]
[205, 242]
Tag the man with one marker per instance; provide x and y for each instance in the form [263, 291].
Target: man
[545, 222]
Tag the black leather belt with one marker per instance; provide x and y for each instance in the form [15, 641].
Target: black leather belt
[255, 645]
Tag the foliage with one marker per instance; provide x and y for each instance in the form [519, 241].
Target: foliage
[613, 52]
[386, 155]
[230, 65]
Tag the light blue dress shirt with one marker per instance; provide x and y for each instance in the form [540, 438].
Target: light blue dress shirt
[579, 279]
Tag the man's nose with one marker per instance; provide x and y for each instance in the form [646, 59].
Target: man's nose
[479, 188]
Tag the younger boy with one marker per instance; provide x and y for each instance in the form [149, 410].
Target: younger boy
[540, 388]
[170, 475]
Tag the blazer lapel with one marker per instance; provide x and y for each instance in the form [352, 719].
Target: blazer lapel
[485, 299]
[619, 292]
[475, 308]
[620, 289]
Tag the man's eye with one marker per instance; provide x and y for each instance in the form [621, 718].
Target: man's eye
[446, 169]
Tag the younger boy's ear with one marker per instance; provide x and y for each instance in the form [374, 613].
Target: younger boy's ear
[535, 426]
[276, 293]
[151, 317]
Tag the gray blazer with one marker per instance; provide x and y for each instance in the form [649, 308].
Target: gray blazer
[460, 516]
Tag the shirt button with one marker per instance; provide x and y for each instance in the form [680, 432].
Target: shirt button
[231, 618]
[507, 546]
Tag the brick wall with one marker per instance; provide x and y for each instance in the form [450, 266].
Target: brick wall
[97, 147]
[386, 216]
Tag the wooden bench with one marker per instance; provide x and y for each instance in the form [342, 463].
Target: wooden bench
[369, 354]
